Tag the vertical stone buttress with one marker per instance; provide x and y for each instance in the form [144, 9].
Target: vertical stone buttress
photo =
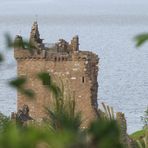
[123, 128]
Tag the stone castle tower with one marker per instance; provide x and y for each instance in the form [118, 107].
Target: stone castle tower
[78, 69]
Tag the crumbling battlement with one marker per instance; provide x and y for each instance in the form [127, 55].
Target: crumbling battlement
[61, 59]
[55, 52]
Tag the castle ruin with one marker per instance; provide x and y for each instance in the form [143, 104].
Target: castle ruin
[62, 60]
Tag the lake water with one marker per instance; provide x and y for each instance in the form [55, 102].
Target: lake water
[105, 29]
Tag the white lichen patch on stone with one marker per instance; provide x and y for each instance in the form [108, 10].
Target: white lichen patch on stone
[76, 64]
[73, 78]
[67, 73]
[75, 69]
[86, 62]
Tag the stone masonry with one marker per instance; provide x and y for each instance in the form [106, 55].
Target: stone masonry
[61, 60]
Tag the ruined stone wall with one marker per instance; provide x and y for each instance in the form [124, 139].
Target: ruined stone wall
[29, 69]
[77, 69]
[80, 76]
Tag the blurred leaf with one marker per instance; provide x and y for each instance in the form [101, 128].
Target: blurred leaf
[61, 119]
[140, 144]
[28, 92]
[4, 121]
[1, 57]
[18, 82]
[105, 134]
[141, 39]
[62, 114]
[9, 42]
[45, 78]
[55, 90]
[138, 134]
[47, 82]
[18, 43]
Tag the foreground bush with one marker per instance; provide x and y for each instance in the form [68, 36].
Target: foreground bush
[100, 134]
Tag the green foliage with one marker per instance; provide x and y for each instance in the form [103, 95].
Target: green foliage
[62, 113]
[19, 84]
[107, 113]
[4, 121]
[25, 44]
[48, 83]
[55, 90]
[141, 39]
[61, 119]
[138, 135]
[100, 134]
[105, 134]
[143, 142]
[28, 92]
[19, 138]
[9, 41]
[32, 137]
[45, 78]
[141, 138]
[1, 58]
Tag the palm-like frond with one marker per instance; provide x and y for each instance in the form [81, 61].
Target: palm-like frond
[61, 113]
[107, 112]
[144, 142]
